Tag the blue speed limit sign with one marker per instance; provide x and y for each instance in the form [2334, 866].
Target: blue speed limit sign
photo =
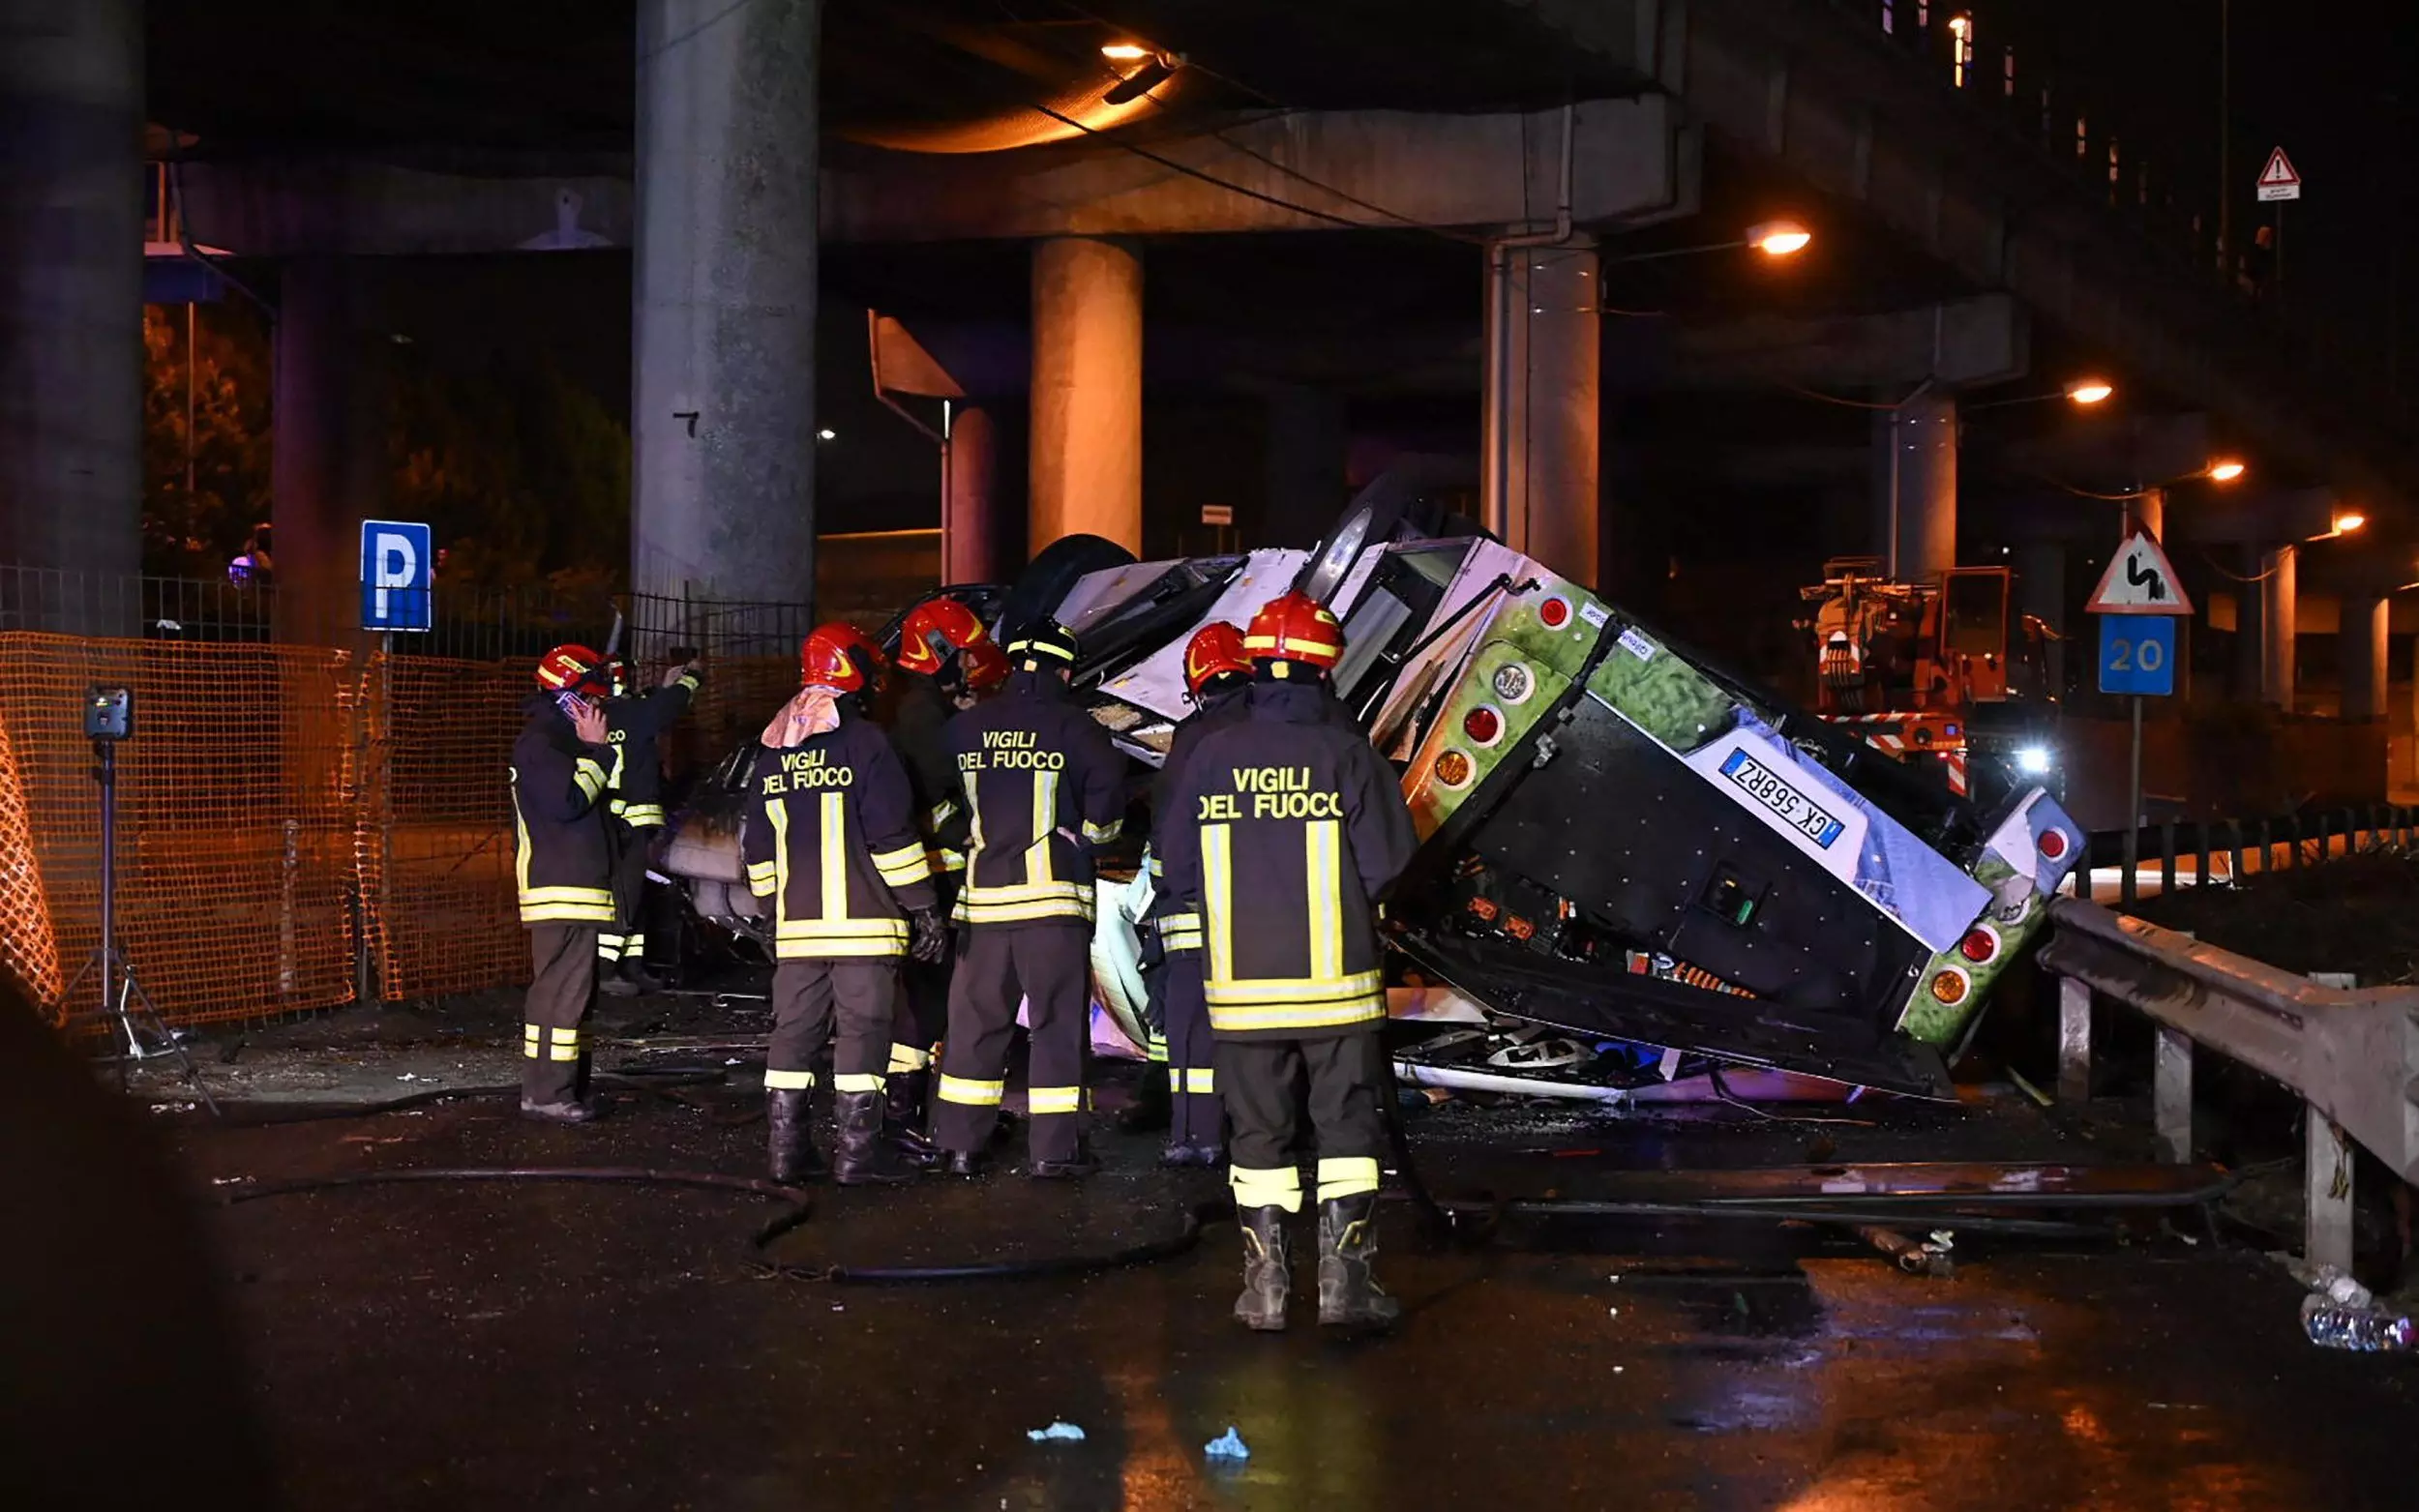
[2137, 655]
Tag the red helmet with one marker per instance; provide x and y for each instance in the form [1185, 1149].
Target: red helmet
[983, 666]
[1295, 627]
[1215, 650]
[824, 659]
[863, 647]
[568, 667]
[937, 630]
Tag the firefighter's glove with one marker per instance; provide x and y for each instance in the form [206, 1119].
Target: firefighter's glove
[929, 940]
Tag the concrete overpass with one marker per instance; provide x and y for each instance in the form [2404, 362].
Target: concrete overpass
[1548, 142]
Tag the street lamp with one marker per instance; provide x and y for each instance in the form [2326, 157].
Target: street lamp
[1772, 238]
[2224, 470]
[2089, 390]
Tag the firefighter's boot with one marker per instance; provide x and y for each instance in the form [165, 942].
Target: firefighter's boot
[1349, 1294]
[863, 1159]
[1154, 1106]
[792, 1145]
[903, 1118]
[1268, 1279]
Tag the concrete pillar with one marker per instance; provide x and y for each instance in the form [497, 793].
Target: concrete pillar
[1918, 502]
[722, 414]
[2364, 658]
[2248, 658]
[71, 304]
[1085, 468]
[2041, 592]
[2279, 614]
[328, 468]
[1306, 465]
[1540, 437]
[972, 531]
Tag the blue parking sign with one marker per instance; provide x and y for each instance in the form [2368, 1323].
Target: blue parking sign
[398, 565]
[2137, 655]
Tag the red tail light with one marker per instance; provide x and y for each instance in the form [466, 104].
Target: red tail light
[2053, 843]
[1980, 944]
[1482, 724]
[1554, 612]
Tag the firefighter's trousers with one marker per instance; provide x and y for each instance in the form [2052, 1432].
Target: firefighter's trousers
[808, 997]
[625, 938]
[922, 1016]
[1049, 964]
[1197, 1116]
[554, 1029]
[1263, 1082]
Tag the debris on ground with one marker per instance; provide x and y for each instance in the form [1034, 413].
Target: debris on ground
[1230, 1446]
[1055, 1433]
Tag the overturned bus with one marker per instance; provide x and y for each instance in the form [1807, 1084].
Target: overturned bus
[1632, 866]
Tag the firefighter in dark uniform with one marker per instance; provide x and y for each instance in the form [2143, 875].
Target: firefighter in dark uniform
[1217, 674]
[943, 654]
[634, 784]
[1043, 789]
[564, 866]
[1287, 827]
[832, 840]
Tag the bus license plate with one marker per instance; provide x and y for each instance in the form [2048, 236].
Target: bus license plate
[1802, 814]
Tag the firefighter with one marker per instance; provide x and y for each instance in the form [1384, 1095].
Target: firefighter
[565, 870]
[1286, 828]
[832, 840]
[1217, 672]
[635, 783]
[1043, 789]
[945, 659]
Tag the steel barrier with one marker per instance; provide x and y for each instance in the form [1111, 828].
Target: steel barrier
[2353, 1056]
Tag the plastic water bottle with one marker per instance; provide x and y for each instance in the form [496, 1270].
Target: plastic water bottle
[2371, 1329]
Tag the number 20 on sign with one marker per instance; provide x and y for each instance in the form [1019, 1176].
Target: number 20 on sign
[2137, 655]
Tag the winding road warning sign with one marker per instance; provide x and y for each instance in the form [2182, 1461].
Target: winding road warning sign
[2140, 580]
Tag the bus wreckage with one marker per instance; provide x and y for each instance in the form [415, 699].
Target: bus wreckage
[1632, 866]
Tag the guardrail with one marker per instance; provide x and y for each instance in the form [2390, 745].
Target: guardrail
[2353, 1056]
[2225, 851]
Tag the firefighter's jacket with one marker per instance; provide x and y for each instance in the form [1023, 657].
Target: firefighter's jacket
[832, 840]
[1043, 788]
[635, 777]
[1180, 927]
[565, 861]
[1284, 829]
[919, 726]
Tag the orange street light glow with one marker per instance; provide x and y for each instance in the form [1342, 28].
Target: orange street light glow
[2089, 390]
[2345, 524]
[1125, 52]
[2225, 471]
[1779, 238]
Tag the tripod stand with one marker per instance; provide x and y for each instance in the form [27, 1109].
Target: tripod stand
[123, 1002]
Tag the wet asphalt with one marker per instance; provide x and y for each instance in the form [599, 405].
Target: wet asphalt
[557, 1346]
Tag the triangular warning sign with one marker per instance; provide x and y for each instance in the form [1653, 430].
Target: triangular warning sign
[2280, 170]
[2140, 580]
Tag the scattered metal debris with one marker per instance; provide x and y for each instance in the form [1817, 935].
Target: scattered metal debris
[1926, 1257]
[1055, 1433]
[1230, 1446]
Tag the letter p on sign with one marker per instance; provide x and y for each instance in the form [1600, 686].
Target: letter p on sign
[396, 565]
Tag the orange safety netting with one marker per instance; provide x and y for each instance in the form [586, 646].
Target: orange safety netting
[436, 834]
[234, 821]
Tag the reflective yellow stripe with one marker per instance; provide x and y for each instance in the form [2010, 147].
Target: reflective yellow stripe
[858, 1082]
[564, 1044]
[787, 1080]
[643, 815]
[1280, 1187]
[1053, 1100]
[1202, 1082]
[1180, 932]
[1102, 834]
[1045, 822]
[532, 1040]
[908, 1057]
[1294, 648]
[1296, 1016]
[1321, 843]
[598, 912]
[905, 855]
[762, 876]
[974, 911]
[1246, 991]
[948, 860]
[905, 867]
[842, 929]
[942, 813]
[589, 774]
[1157, 1051]
[564, 894]
[612, 778]
[779, 814]
[688, 680]
[1217, 896]
[832, 819]
[1346, 1175]
[972, 1094]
